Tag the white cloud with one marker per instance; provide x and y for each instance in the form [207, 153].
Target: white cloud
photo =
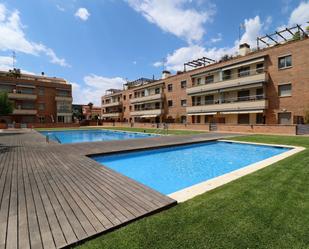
[216, 39]
[60, 8]
[300, 15]
[6, 64]
[95, 86]
[176, 60]
[253, 28]
[172, 16]
[82, 13]
[12, 37]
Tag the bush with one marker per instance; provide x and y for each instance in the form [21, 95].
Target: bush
[6, 106]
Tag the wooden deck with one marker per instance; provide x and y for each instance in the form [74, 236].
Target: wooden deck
[53, 196]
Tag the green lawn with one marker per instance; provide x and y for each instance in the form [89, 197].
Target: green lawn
[266, 209]
[147, 130]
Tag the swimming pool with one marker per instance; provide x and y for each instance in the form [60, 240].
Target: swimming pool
[168, 170]
[80, 136]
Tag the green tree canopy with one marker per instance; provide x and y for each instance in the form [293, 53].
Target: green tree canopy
[6, 106]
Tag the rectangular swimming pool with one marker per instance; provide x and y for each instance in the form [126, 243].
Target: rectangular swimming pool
[168, 170]
[80, 136]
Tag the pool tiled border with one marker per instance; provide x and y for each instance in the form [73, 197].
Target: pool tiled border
[200, 188]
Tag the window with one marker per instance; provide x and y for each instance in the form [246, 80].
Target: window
[198, 81]
[244, 71]
[183, 84]
[284, 118]
[209, 79]
[183, 119]
[26, 90]
[63, 93]
[27, 105]
[198, 119]
[183, 102]
[41, 91]
[259, 93]
[170, 87]
[60, 119]
[42, 119]
[243, 118]
[41, 106]
[102, 102]
[6, 88]
[170, 103]
[260, 67]
[130, 96]
[209, 100]
[157, 105]
[124, 108]
[157, 90]
[260, 118]
[243, 95]
[227, 74]
[124, 97]
[285, 90]
[285, 62]
[130, 107]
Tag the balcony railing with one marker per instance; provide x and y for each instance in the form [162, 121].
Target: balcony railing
[145, 112]
[117, 103]
[64, 98]
[22, 96]
[25, 112]
[234, 80]
[111, 115]
[246, 103]
[148, 98]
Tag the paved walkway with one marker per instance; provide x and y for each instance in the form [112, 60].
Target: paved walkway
[53, 196]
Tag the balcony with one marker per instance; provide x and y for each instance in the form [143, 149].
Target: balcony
[117, 103]
[64, 98]
[252, 103]
[22, 96]
[252, 78]
[24, 112]
[64, 112]
[147, 113]
[149, 98]
[111, 115]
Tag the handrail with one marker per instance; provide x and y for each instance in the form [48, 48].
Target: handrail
[231, 76]
[231, 100]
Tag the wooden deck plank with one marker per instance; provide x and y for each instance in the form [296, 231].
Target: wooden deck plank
[53, 195]
[12, 227]
[5, 200]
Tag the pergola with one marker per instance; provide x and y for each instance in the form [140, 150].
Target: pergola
[198, 62]
[285, 35]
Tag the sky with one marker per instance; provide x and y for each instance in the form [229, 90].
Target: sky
[100, 44]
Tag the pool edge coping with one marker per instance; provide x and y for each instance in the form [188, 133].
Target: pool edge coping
[210, 184]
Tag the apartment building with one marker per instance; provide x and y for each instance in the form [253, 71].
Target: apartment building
[265, 86]
[37, 99]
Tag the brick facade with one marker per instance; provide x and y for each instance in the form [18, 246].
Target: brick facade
[243, 90]
[37, 99]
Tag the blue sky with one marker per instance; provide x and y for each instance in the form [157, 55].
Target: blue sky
[99, 44]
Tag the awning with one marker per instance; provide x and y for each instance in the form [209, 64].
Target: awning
[26, 86]
[202, 113]
[149, 116]
[244, 64]
[242, 112]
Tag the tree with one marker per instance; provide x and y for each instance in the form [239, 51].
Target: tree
[297, 36]
[6, 106]
[14, 73]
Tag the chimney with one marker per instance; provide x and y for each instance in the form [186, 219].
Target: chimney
[244, 49]
[166, 74]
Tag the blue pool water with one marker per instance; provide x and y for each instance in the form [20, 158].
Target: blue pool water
[80, 136]
[168, 170]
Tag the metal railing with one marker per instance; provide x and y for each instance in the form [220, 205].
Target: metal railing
[230, 100]
[233, 76]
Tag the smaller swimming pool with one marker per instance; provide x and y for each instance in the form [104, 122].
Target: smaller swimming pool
[168, 170]
[81, 136]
